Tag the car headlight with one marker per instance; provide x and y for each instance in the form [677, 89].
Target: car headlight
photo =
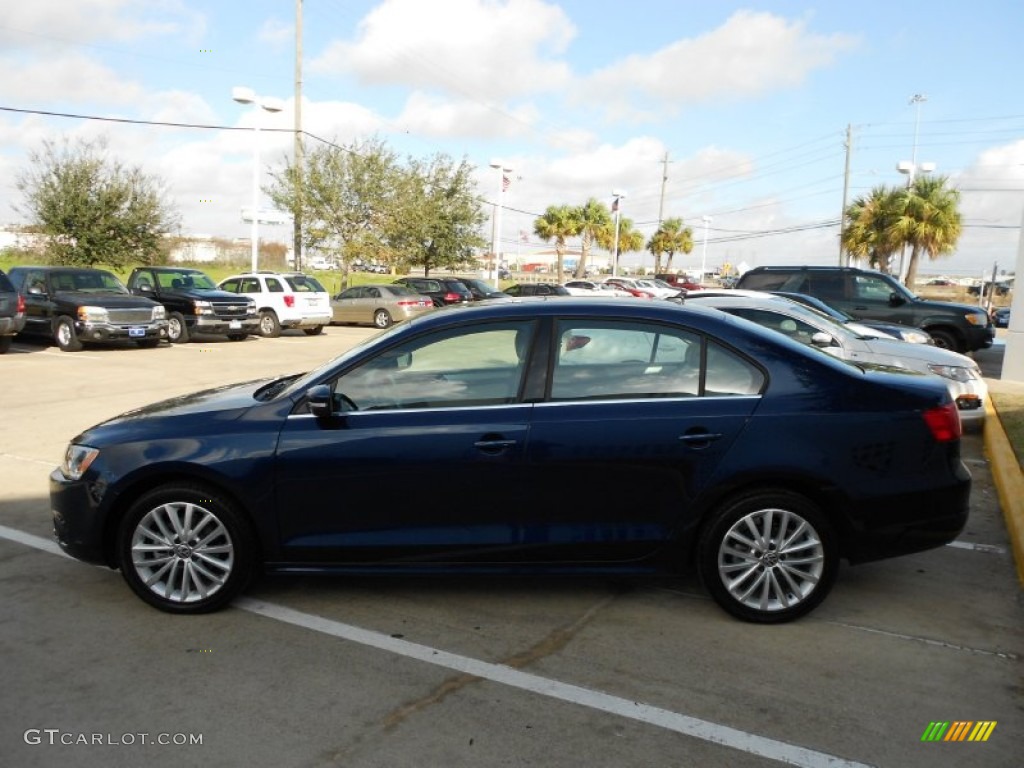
[159, 313]
[915, 336]
[202, 307]
[88, 314]
[977, 318]
[955, 372]
[77, 459]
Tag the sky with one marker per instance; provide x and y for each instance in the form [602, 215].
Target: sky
[733, 116]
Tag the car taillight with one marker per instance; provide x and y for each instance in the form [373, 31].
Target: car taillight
[21, 305]
[289, 300]
[413, 303]
[452, 297]
[944, 422]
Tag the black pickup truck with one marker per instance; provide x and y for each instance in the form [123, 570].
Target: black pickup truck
[12, 312]
[194, 304]
[77, 305]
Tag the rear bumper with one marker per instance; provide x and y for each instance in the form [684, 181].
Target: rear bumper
[11, 325]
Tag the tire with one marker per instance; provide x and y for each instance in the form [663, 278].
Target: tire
[945, 340]
[754, 579]
[64, 335]
[382, 319]
[177, 331]
[270, 326]
[5, 343]
[184, 548]
[314, 331]
[238, 336]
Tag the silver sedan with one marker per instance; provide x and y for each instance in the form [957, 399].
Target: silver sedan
[379, 305]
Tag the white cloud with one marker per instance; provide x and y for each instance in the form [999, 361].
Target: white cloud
[42, 23]
[428, 115]
[749, 55]
[474, 48]
[277, 33]
[71, 78]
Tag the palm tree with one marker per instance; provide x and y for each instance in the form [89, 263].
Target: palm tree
[594, 220]
[671, 237]
[869, 231]
[930, 222]
[558, 223]
[630, 240]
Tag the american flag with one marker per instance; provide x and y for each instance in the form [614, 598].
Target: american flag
[615, 205]
[506, 182]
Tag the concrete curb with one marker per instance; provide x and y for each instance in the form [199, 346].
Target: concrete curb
[1009, 481]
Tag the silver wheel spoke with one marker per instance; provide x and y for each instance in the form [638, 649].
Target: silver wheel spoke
[182, 552]
[771, 560]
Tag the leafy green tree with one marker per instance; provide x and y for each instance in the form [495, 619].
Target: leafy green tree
[437, 217]
[671, 237]
[346, 197]
[91, 208]
[930, 222]
[869, 231]
[558, 223]
[594, 220]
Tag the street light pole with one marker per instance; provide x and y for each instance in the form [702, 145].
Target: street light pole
[616, 205]
[911, 168]
[246, 96]
[503, 182]
[704, 249]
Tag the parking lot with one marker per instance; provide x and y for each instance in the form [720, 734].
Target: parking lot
[405, 671]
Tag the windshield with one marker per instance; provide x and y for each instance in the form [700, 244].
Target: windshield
[90, 281]
[185, 278]
[305, 284]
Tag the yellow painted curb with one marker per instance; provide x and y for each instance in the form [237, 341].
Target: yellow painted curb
[1009, 480]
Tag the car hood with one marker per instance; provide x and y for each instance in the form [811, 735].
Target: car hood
[108, 300]
[889, 351]
[225, 403]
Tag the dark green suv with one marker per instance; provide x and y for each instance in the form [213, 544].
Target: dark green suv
[868, 295]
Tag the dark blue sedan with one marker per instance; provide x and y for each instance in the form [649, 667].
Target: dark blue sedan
[763, 461]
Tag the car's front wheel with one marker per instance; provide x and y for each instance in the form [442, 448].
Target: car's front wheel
[768, 556]
[177, 331]
[184, 548]
[270, 326]
[65, 335]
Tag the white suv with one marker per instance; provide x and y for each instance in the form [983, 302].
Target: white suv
[284, 300]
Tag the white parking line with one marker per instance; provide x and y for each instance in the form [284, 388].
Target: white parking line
[714, 733]
[991, 549]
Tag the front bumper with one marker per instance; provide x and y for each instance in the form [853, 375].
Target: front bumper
[78, 522]
[89, 331]
[220, 326]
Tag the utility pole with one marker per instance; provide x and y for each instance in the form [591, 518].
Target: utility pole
[299, 152]
[664, 178]
[846, 190]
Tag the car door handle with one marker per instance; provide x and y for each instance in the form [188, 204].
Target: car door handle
[493, 445]
[700, 439]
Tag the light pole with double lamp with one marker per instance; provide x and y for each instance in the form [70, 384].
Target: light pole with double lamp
[246, 96]
[504, 180]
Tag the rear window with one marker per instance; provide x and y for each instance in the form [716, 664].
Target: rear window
[763, 281]
[304, 284]
[5, 284]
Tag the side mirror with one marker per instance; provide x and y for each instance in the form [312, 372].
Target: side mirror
[895, 299]
[822, 339]
[321, 401]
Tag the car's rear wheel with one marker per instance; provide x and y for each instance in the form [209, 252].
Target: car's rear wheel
[5, 343]
[177, 331]
[65, 336]
[314, 331]
[768, 556]
[270, 326]
[381, 318]
[185, 549]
